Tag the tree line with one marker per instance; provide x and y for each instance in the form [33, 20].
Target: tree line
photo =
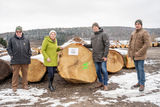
[64, 34]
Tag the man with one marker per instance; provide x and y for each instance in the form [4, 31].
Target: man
[20, 52]
[138, 45]
[100, 46]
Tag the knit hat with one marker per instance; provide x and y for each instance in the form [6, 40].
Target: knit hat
[19, 28]
[95, 24]
[52, 31]
[139, 21]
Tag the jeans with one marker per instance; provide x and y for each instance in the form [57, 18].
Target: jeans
[101, 67]
[51, 71]
[139, 64]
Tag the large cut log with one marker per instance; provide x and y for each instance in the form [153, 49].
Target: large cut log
[36, 71]
[114, 61]
[5, 69]
[128, 62]
[76, 64]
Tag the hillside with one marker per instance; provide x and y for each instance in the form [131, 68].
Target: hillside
[64, 34]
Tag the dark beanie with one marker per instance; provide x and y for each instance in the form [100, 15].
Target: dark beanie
[139, 21]
[95, 24]
[19, 28]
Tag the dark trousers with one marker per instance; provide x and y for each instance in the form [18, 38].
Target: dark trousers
[51, 71]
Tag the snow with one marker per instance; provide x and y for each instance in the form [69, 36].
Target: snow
[6, 58]
[133, 95]
[39, 57]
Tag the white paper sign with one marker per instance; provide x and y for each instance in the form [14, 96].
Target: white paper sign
[72, 51]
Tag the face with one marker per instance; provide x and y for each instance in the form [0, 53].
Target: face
[95, 29]
[19, 33]
[53, 35]
[138, 26]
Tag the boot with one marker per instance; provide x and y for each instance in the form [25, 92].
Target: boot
[50, 85]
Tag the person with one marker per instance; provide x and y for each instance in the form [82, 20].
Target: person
[49, 51]
[100, 46]
[20, 52]
[138, 45]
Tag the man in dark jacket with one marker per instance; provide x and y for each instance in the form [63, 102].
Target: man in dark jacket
[100, 46]
[138, 45]
[20, 52]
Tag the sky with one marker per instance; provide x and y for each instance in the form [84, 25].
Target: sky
[39, 14]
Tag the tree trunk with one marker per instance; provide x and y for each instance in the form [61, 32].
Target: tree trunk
[36, 71]
[5, 69]
[114, 61]
[76, 64]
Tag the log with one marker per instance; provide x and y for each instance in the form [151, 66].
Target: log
[128, 62]
[76, 64]
[5, 69]
[36, 71]
[114, 61]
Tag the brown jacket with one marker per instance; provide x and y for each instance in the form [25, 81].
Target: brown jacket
[138, 44]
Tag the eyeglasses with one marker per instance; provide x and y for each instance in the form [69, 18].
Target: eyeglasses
[18, 31]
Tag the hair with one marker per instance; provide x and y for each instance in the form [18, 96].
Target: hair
[95, 24]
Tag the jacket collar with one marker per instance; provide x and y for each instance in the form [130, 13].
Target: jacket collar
[21, 38]
[100, 31]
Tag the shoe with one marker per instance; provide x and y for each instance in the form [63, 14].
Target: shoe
[105, 88]
[99, 85]
[141, 88]
[25, 87]
[135, 86]
[14, 89]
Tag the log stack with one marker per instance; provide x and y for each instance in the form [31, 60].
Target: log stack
[76, 64]
[5, 69]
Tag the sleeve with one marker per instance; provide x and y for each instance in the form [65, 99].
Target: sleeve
[146, 45]
[129, 46]
[88, 45]
[44, 48]
[106, 44]
[29, 49]
[9, 47]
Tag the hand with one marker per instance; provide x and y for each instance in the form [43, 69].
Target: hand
[61, 48]
[104, 58]
[48, 59]
[136, 54]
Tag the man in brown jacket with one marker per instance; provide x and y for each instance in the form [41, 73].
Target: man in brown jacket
[138, 45]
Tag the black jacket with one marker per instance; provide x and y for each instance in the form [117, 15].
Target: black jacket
[19, 50]
[100, 45]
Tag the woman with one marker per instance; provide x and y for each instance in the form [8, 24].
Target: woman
[49, 51]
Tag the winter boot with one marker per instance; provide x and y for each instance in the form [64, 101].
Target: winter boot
[50, 85]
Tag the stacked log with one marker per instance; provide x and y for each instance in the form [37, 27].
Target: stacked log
[76, 64]
[5, 69]
[36, 71]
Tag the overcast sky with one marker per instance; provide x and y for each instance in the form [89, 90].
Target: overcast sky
[33, 14]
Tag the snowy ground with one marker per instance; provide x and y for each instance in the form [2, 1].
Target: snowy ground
[124, 81]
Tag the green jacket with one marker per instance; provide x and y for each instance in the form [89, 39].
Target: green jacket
[49, 50]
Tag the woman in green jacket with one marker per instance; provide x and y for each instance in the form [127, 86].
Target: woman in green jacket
[49, 51]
